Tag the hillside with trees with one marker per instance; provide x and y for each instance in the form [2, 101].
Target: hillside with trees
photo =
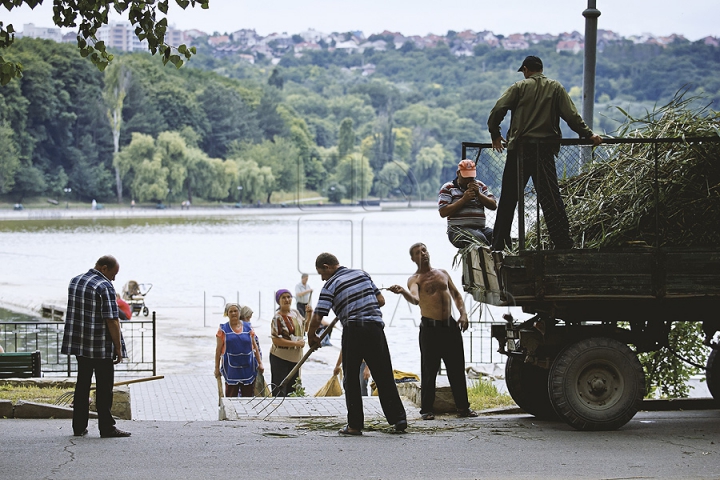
[381, 123]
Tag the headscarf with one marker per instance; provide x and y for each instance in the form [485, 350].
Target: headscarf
[245, 312]
[227, 307]
[279, 293]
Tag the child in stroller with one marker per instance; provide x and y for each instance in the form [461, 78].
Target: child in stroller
[134, 294]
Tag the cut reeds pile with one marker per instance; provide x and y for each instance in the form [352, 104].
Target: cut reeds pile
[613, 202]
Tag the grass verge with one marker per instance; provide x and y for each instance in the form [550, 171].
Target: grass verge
[483, 395]
[31, 393]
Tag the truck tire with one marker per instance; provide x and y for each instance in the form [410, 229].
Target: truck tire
[597, 384]
[528, 386]
[712, 374]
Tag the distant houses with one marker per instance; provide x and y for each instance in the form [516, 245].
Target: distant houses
[248, 46]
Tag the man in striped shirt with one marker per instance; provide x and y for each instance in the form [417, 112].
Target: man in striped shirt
[355, 299]
[463, 203]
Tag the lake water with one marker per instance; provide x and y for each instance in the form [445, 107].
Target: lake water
[198, 260]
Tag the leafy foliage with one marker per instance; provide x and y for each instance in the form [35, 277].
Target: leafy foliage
[299, 118]
[666, 373]
[93, 14]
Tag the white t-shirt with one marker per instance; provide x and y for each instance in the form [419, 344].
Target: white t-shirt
[302, 298]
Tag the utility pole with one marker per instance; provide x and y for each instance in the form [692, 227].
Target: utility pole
[591, 15]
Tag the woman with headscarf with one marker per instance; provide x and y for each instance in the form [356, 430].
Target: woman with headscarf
[240, 354]
[288, 337]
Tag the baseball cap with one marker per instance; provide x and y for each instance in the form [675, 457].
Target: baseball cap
[533, 63]
[466, 168]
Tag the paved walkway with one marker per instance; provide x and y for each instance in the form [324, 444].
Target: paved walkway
[195, 398]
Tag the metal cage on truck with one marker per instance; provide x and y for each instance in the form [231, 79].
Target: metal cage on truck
[594, 309]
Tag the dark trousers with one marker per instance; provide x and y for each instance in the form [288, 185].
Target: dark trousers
[442, 343]
[240, 390]
[367, 341]
[104, 370]
[301, 308]
[280, 369]
[538, 163]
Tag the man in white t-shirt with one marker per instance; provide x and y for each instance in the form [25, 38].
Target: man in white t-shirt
[302, 294]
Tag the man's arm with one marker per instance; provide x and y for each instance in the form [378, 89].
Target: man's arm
[411, 295]
[569, 113]
[455, 294]
[380, 299]
[313, 339]
[113, 325]
[506, 102]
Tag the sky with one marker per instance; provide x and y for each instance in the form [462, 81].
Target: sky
[694, 19]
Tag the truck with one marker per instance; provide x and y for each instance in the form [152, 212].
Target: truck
[593, 310]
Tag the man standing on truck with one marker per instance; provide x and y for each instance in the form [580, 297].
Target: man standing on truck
[440, 334]
[537, 103]
[92, 334]
[463, 203]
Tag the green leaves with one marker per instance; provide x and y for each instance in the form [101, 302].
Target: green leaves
[9, 70]
[93, 14]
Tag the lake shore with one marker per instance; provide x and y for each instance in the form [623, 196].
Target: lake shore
[59, 212]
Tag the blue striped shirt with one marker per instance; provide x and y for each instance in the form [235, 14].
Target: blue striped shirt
[352, 295]
[91, 301]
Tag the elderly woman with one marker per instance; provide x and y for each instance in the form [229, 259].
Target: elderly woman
[239, 351]
[287, 331]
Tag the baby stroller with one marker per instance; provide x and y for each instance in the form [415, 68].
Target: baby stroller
[134, 294]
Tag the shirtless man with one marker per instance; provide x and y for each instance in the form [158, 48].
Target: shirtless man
[440, 334]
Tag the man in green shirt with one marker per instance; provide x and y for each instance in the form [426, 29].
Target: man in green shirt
[537, 103]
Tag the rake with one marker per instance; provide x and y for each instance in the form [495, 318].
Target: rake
[67, 397]
[295, 369]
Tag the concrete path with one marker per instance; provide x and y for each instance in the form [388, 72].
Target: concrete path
[195, 398]
[659, 445]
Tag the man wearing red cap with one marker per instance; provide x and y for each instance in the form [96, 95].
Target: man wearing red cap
[537, 105]
[463, 203]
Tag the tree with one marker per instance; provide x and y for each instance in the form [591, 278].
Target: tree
[282, 158]
[354, 173]
[117, 81]
[256, 181]
[392, 176]
[93, 14]
[428, 168]
[150, 182]
[269, 118]
[229, 118]
[276, 79]
[346, 137]
[9, 160]
[29, 181]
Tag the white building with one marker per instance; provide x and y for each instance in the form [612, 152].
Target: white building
[47, 33]
[120, 35]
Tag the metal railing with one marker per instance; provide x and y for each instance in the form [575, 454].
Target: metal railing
[139, 336]
[572, 158]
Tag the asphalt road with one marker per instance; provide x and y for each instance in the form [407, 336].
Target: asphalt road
[673, 445]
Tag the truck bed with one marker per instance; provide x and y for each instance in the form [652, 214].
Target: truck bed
[580, 285]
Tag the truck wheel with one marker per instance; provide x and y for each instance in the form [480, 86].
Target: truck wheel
[528, 386]
[146, 311]
[597, 384]
[712, 374]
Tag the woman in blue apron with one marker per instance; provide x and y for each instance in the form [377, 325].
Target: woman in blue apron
[239, 352]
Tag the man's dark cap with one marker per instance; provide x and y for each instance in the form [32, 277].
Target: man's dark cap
[533, 63]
